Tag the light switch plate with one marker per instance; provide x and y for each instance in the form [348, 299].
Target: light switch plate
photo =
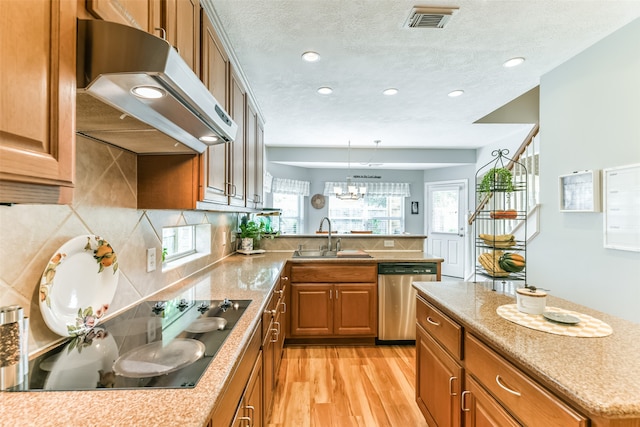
[151, 260]
[389, 243]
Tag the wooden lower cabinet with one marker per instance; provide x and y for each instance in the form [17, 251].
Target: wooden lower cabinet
[439, 382]
[480, 409]
[273, 342]
[526, 400]
[333, 301]
[250, 411]
[333, 310]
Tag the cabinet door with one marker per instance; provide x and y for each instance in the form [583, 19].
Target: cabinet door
[355, 309]
[215, 76]
[251, 156]
[482, 410]
[259, 168]
[143, 14]
[182, 22]
[38, 83]
[253, 395]
[268, 362]
[311, 309]
[237, 107]
[439, 382]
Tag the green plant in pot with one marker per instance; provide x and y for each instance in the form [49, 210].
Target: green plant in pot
[496, 179]
[252, 231]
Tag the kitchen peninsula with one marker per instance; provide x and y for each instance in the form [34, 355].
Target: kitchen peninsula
[579, 380]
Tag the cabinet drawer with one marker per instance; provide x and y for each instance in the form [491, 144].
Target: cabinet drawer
[440, 326]
[525, 399]
[327, 273]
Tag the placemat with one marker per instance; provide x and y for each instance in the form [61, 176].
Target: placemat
[589, 327]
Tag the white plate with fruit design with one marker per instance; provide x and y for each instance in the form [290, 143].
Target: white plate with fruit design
[78, 285]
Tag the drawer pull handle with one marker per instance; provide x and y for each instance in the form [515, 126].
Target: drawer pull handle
[515, 393]
[433, 322]
[451, 392]
[284, 307]
[463, 404]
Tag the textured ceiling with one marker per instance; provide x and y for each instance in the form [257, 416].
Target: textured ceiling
[365, 49]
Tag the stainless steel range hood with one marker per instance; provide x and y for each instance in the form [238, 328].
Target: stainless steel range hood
[115, 60]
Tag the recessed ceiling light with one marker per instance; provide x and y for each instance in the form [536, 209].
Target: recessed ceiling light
[311, 56]
[513, 62]
[325, 90]
[148, 92]
[455, 93]
[390, 91]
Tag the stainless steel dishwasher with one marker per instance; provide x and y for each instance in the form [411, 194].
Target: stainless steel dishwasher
[397, 298]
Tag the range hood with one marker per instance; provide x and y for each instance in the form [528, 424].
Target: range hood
[115, 62]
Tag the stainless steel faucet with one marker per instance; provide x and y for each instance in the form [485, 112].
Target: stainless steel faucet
[329, 235]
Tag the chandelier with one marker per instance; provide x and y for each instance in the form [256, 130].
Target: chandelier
[354, 192]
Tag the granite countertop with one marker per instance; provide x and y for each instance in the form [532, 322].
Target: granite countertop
[600, 375]
[236, 277]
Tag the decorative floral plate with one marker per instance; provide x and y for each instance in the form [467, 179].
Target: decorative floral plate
[78, 285]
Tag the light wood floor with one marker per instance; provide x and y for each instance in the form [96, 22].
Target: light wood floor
[336, 386]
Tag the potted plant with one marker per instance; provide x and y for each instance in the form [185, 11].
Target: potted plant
[250, 233]
[496, 179]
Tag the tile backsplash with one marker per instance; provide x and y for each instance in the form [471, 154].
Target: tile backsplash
[105, 205]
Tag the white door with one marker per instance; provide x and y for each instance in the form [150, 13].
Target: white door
[445, 228]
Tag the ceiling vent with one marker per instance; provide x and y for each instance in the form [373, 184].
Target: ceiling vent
[429, 17]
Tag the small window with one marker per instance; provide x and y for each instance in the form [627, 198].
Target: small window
[178, 242]
[378, 214]
[291, 219]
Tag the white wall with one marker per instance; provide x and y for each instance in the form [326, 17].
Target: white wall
[589, 119]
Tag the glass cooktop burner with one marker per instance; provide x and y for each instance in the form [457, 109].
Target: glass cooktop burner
[166, 344]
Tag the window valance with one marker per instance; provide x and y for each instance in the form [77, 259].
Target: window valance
[401, 189]
[290, 186]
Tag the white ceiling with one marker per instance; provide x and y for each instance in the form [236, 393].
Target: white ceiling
[365, 49]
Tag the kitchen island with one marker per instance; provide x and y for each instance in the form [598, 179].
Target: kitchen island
[599, 377]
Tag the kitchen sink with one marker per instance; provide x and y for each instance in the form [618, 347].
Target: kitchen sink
[310, 253]
[314, 254]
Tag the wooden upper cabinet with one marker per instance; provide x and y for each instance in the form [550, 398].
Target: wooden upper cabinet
[215, 76]
[181, 20]
[143, 14]
[237, 110]
[251, 157]
[37, 100]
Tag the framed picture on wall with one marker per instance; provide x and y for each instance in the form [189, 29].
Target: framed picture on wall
[414, 208]
[580, 191]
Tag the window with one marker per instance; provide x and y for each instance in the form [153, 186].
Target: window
[379, 214]
[444, 210]
[291, 220]
[178, 242]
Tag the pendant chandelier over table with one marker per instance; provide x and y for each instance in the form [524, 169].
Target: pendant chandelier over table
[354, 192]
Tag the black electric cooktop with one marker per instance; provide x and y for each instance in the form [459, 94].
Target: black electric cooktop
[155, 344]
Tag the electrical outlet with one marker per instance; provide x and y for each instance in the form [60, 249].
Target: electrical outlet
[389, 243]
[151, 259]
[233, 237]
[224, 238]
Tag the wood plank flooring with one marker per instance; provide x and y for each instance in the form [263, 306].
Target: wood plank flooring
[344, 386]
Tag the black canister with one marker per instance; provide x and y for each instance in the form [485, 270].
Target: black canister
[11, 347]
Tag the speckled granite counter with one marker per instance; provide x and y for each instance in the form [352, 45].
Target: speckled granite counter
[236, 277]
[600, 375]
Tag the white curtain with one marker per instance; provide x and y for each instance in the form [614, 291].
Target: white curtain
[267, 182]
[373, 188]
[290, 186]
